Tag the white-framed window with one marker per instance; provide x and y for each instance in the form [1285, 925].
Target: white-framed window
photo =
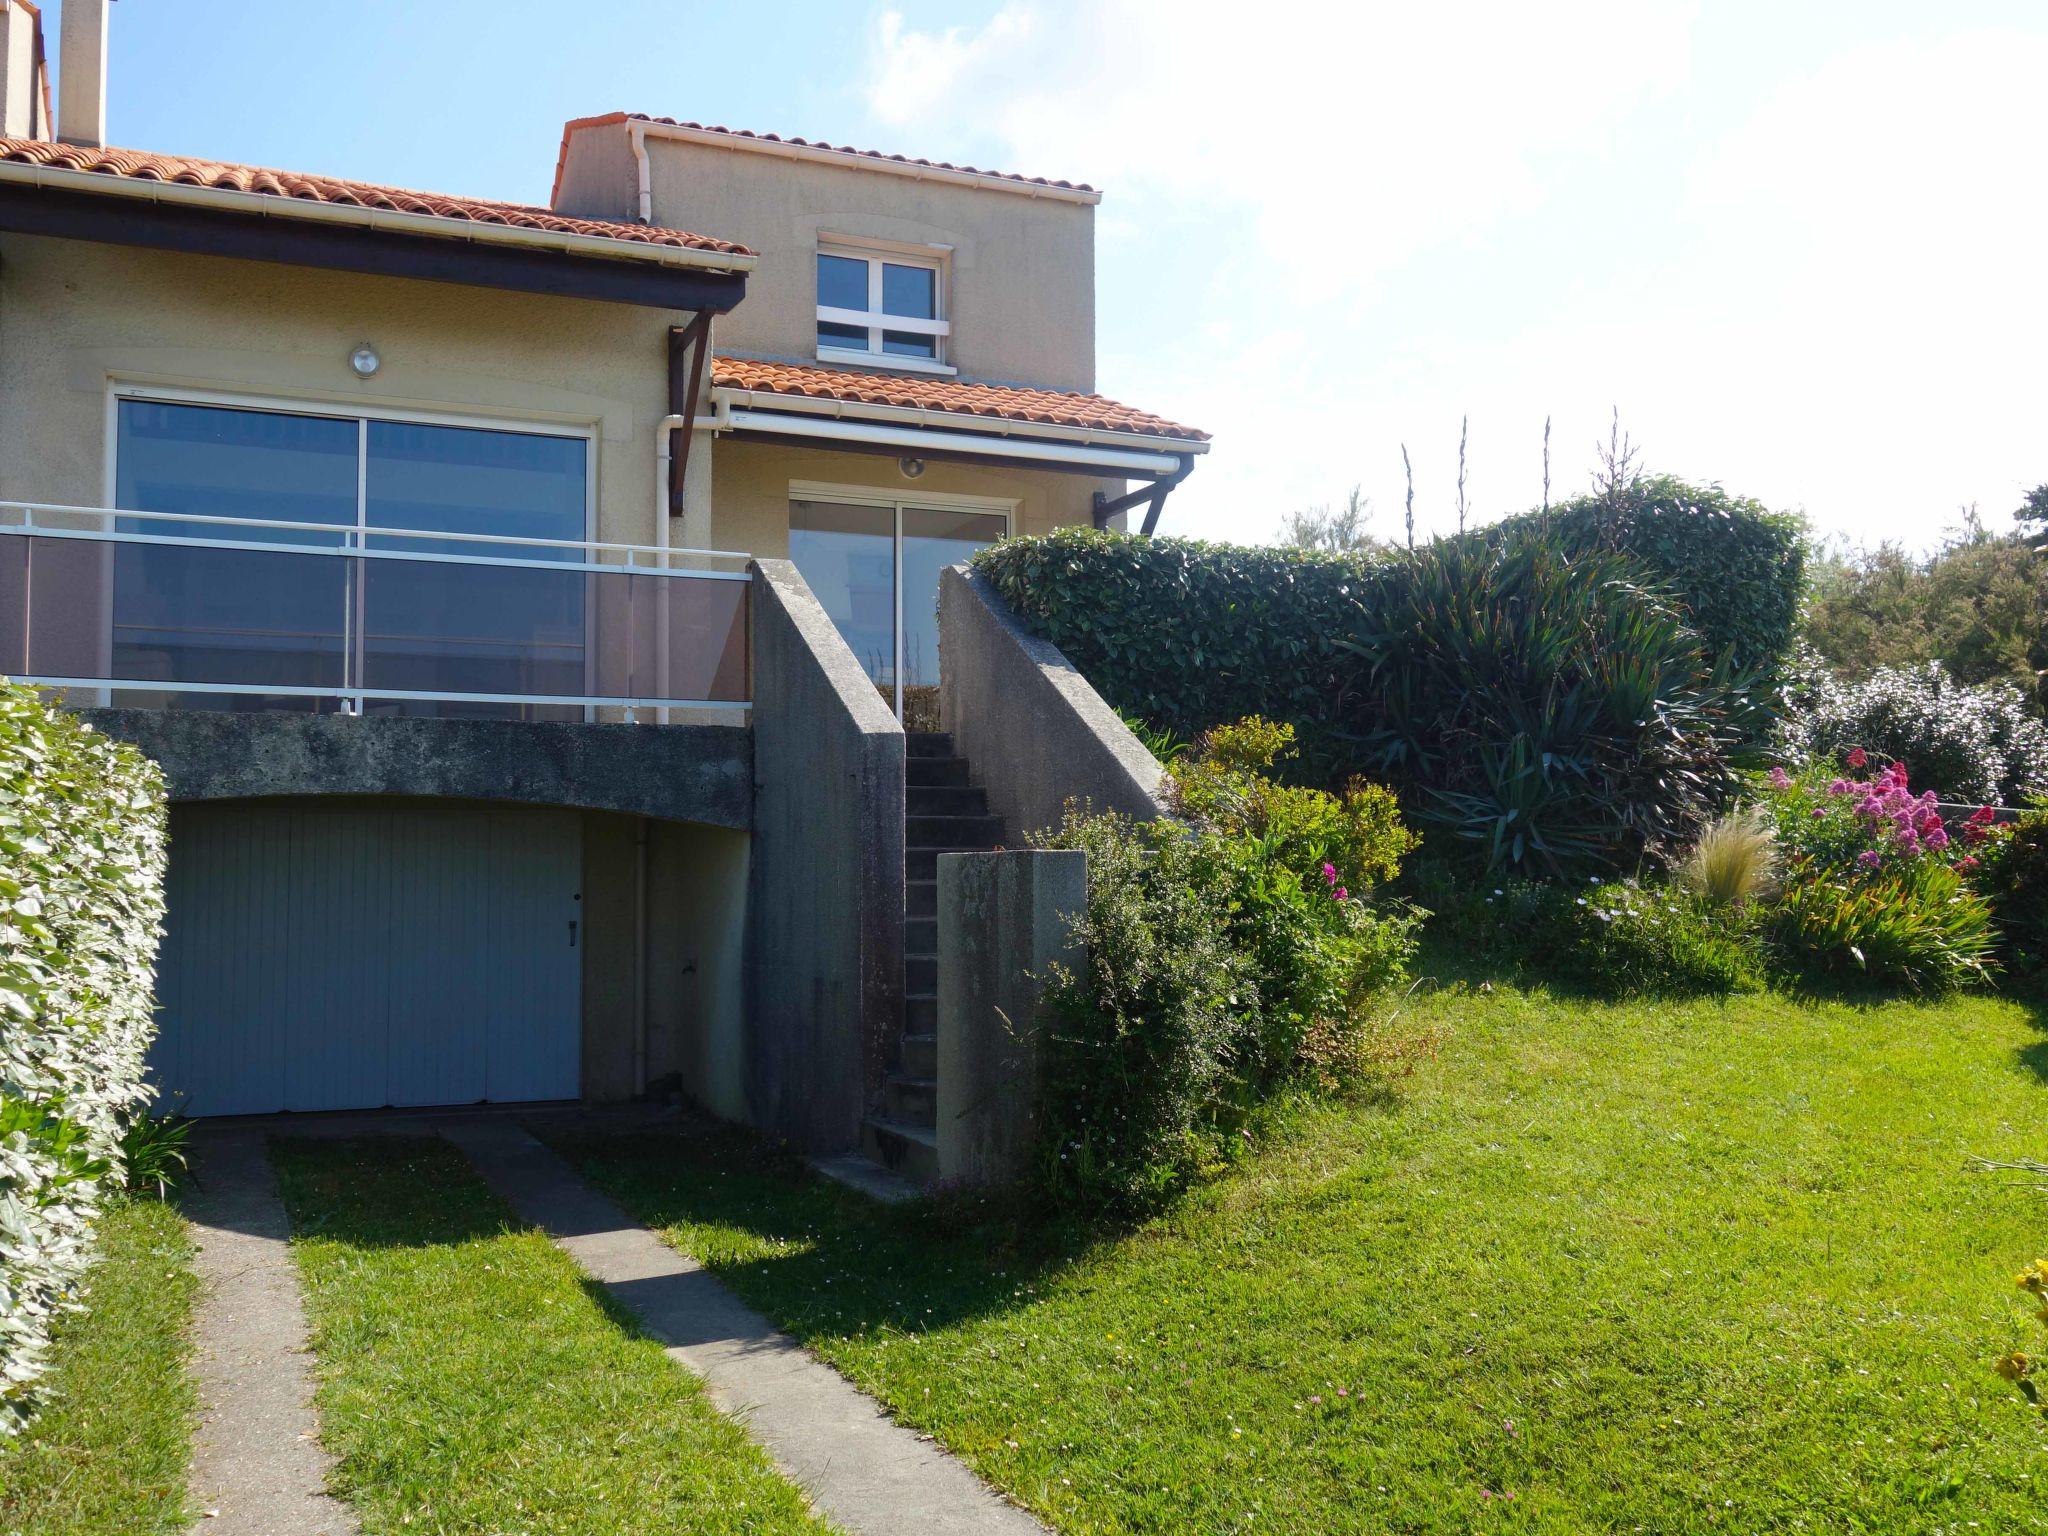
[882, 304]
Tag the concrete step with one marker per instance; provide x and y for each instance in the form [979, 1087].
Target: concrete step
[945, 800]
[911, 1100]
[909, 1150]
[927, 744]
[920, 975]
[921, 936]
[921, 897]
[934, 772]
[923, 863]
[920, 1013]
[981, 832]
[920, 1056]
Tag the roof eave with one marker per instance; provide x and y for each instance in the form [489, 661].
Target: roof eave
[954, 421]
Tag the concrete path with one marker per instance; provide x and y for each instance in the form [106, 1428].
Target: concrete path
[257, 1465]
[861, 1469]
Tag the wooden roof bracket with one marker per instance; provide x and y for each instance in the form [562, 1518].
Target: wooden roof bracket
[1155, 492]
[689, 359]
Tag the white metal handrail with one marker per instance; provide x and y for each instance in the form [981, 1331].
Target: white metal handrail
[30, 511]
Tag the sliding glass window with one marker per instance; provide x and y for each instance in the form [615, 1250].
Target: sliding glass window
[874, 567]
[185, 613]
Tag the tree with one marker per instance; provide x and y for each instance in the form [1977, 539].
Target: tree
[1334, 529]
[2032, 515]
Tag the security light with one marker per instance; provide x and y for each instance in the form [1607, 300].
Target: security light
[365, 361]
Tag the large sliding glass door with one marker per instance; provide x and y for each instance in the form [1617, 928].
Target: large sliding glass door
[187, 613]
[874, 566]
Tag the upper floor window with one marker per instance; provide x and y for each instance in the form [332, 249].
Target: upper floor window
[882, 305]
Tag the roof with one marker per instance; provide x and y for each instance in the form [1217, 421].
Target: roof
[132, 165]
[997, 402]
[747, 138]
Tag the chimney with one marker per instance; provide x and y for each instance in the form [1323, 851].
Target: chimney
[82, 74]
[24, 81]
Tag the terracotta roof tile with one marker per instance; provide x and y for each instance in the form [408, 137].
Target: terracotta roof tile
[139, 165]
[865, 154]
[999, 401]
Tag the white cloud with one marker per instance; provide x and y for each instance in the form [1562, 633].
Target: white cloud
[1330, 230]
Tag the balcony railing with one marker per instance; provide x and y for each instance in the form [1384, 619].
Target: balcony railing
[180, 610]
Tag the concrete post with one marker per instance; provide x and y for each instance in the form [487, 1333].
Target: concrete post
[1004, 919]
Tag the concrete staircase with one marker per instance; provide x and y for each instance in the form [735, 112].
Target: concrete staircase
[943, 813]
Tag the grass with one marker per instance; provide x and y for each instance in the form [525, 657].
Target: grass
[1662, 1266]
[471, 1380]
[110, 1452]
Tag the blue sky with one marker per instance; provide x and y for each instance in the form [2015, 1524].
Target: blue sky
[1798, 245]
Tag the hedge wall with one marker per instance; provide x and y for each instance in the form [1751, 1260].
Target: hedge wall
[1737, 568]
[82, 842]
[1537, 706]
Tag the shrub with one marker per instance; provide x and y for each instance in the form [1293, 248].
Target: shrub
[1736, 568]
[1230, 956]
[1969, 743]
[2013, 878]
[1548, 714]
[1132, 1067]
[1627, 940]
[1547, 711]
[82, 835]
[1916, 924]
[1734, 861]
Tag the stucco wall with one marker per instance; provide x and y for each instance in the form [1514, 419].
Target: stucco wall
[1021, 269]
[750, 490]
[74, 315]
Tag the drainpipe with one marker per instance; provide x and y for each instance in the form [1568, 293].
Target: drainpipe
[636, 135]
[640, 959]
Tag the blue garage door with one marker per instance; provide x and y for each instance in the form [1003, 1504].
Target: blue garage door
[356, 954]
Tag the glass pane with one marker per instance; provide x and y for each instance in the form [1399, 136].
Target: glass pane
[842, 283]
[435, 628]
[186, 614]
[909, 344]
[847, 555]
[933, 540]
[912, 291]
[850, 336]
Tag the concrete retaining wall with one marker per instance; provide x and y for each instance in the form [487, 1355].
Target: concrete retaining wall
[1004, 920]
[700, 773]
[825, 954]
[1035, 731]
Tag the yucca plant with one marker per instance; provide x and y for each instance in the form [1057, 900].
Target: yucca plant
[1734, 862]
[1549, 712]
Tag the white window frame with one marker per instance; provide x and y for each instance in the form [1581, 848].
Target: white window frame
[876, 253]
[1004, 507]
[362, 411]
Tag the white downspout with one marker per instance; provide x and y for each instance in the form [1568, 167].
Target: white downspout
[636, 135]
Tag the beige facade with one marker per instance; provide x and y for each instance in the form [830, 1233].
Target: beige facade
[79, 319]
[1019, 267]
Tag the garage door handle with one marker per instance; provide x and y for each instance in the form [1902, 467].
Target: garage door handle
[572, 933]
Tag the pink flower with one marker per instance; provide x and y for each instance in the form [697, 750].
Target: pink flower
[1966, 862]
[1840, 787]
[1857, 757]
[1329, 874]
[1780, 779]
[1817, 812]
[1870, 858]
[1937, 839]
[1342, 894]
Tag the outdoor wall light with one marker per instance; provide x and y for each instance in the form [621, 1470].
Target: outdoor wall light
[911, 467]
[365, 361]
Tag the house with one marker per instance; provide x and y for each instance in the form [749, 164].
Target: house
[527, 604]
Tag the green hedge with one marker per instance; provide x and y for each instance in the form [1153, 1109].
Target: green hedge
[1540, 706]
[1737, 568]
[82, 843]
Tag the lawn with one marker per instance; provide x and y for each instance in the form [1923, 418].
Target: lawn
[110, 1452]
[472, 1382]
[1665, 1267]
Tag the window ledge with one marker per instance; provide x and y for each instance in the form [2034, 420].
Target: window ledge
[886, 362]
